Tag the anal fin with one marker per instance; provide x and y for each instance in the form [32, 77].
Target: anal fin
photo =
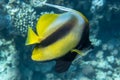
[62, 66]
[63, 63]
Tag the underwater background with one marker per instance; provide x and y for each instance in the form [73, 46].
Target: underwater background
[102, 63]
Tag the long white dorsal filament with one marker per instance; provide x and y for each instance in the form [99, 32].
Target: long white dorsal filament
[58, 7]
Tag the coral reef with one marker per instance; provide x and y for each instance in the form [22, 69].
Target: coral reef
[37, 3]
[9, 60]
[4, 18]
[103, 63]
[22, 16]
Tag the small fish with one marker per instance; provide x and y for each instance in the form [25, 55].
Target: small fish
[59, 37]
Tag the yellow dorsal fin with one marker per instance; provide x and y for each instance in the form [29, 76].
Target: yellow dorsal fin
[66, 9]
[77, 51]
[44, 21]
[86, 20]
[32, 38]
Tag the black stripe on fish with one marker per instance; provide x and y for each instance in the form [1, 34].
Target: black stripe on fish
[85, 42]
[60, 33]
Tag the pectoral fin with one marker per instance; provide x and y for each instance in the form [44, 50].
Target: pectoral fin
[77, 51]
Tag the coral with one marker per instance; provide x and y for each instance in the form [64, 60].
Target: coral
[87, 69]
[97, 5]
[22, 16]
[100, 75]
[37, 3]
[4, 19]
[8, 60]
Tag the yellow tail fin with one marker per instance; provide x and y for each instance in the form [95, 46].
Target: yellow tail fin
[32, 38]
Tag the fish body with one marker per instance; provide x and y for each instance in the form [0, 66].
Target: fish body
[56, 35]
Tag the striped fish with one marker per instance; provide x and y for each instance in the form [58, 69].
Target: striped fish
[59, 37]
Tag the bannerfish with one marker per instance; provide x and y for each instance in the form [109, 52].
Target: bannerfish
[59, 37]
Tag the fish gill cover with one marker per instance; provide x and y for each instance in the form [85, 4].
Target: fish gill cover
[103, 63]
